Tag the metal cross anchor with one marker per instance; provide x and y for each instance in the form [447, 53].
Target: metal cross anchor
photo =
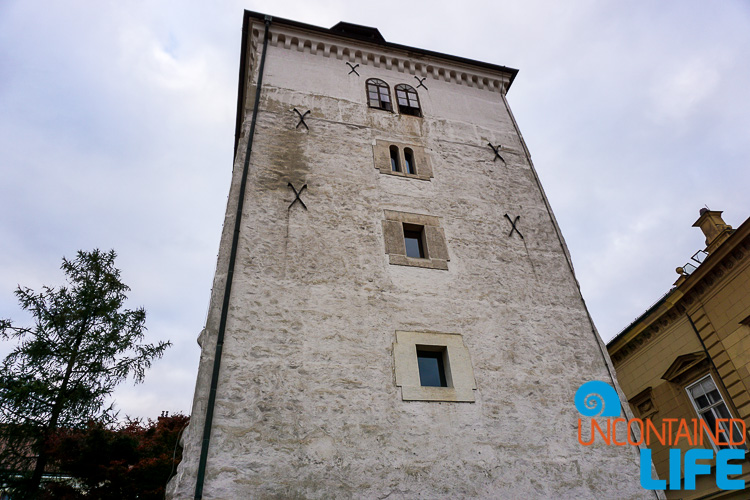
[497, 151]
[302, 118]
[421, 82]
[354, 69]
[513, 223]
[296, 195]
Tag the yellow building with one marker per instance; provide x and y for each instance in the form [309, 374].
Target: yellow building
[688, 356]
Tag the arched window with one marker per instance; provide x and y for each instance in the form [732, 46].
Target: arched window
[379, 94]
[395, 163]
[409, 167]
[408, 100]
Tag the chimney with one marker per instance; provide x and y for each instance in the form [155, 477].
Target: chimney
[714, 227]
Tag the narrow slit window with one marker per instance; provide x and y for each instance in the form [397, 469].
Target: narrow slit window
[409, 161]
[395, 163]
[414, 241]
[408, 100]
[379, 94]
[431, 368]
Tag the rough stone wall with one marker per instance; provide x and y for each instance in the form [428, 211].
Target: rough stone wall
[307, 404]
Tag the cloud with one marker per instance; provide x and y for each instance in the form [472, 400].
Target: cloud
[117, 130]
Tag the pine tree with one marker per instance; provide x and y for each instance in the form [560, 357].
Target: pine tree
[64, 368]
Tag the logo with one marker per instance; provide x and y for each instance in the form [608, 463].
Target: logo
[599, 399]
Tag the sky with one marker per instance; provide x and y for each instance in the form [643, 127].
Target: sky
[117, 131]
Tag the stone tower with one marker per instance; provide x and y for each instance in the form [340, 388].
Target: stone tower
[394, 312]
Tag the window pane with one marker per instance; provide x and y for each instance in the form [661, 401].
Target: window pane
[409, 158]
[413, 246]
[710, 420]
[701, 401]
[722, 411]
[431, 370]
[402, 102]
[736, 434]
[714, 396]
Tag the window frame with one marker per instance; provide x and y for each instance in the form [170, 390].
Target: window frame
[710, 408]
[378, 84]
[415, 232]
[420, 159]
[439, 354]
[395, 159]
[433, 238]
[410, 165]
[410, 96]
[459, 373]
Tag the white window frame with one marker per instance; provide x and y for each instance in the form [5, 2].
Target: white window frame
[710, 408]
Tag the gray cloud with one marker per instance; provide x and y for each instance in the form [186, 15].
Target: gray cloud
[117, 126]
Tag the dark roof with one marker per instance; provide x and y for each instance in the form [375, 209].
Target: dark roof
[359, 32]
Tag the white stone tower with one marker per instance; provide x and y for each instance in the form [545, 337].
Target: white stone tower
[394, 312]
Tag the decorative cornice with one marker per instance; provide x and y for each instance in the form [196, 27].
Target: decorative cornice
[366, 54]
[670, 311]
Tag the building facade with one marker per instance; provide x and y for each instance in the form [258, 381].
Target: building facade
[688, 356]
[394, 313]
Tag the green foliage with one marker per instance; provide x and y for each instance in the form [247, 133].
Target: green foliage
[64, 367]
[134, 460]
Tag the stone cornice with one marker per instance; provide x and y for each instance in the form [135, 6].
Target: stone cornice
[367, 54]
[673, 306]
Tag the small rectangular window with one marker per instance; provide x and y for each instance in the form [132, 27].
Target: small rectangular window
[431, 368]
[414, 240]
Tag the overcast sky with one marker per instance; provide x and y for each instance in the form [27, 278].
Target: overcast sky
[117, 129]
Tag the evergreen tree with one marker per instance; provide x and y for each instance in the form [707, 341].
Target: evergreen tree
[64, 367]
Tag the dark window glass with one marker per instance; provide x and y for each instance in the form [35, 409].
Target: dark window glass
[408, 100]
[431, 368]
[409, 159]
[379, 94]
[395, 163]
[413, 241]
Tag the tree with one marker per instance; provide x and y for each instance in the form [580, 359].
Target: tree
[133, 460]
[64, 367]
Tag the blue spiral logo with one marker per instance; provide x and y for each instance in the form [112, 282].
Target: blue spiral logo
[595, 398]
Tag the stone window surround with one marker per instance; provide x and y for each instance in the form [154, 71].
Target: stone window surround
[381, 151]
[434, 240]
[458, 370]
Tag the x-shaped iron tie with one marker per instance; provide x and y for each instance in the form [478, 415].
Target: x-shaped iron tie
[512, 223]
[421, 82]
[302, 118]
[297, 198]
[497, 151]
[354, 69]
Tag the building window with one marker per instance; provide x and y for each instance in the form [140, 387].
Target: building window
[379, 94]
[408, 100]
[414, 241]
[409, 161]
[432, 366]
[411, 168]
[710, 406]
[395, 163]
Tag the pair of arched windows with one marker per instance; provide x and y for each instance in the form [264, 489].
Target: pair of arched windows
[379, 96]
[409, 166]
